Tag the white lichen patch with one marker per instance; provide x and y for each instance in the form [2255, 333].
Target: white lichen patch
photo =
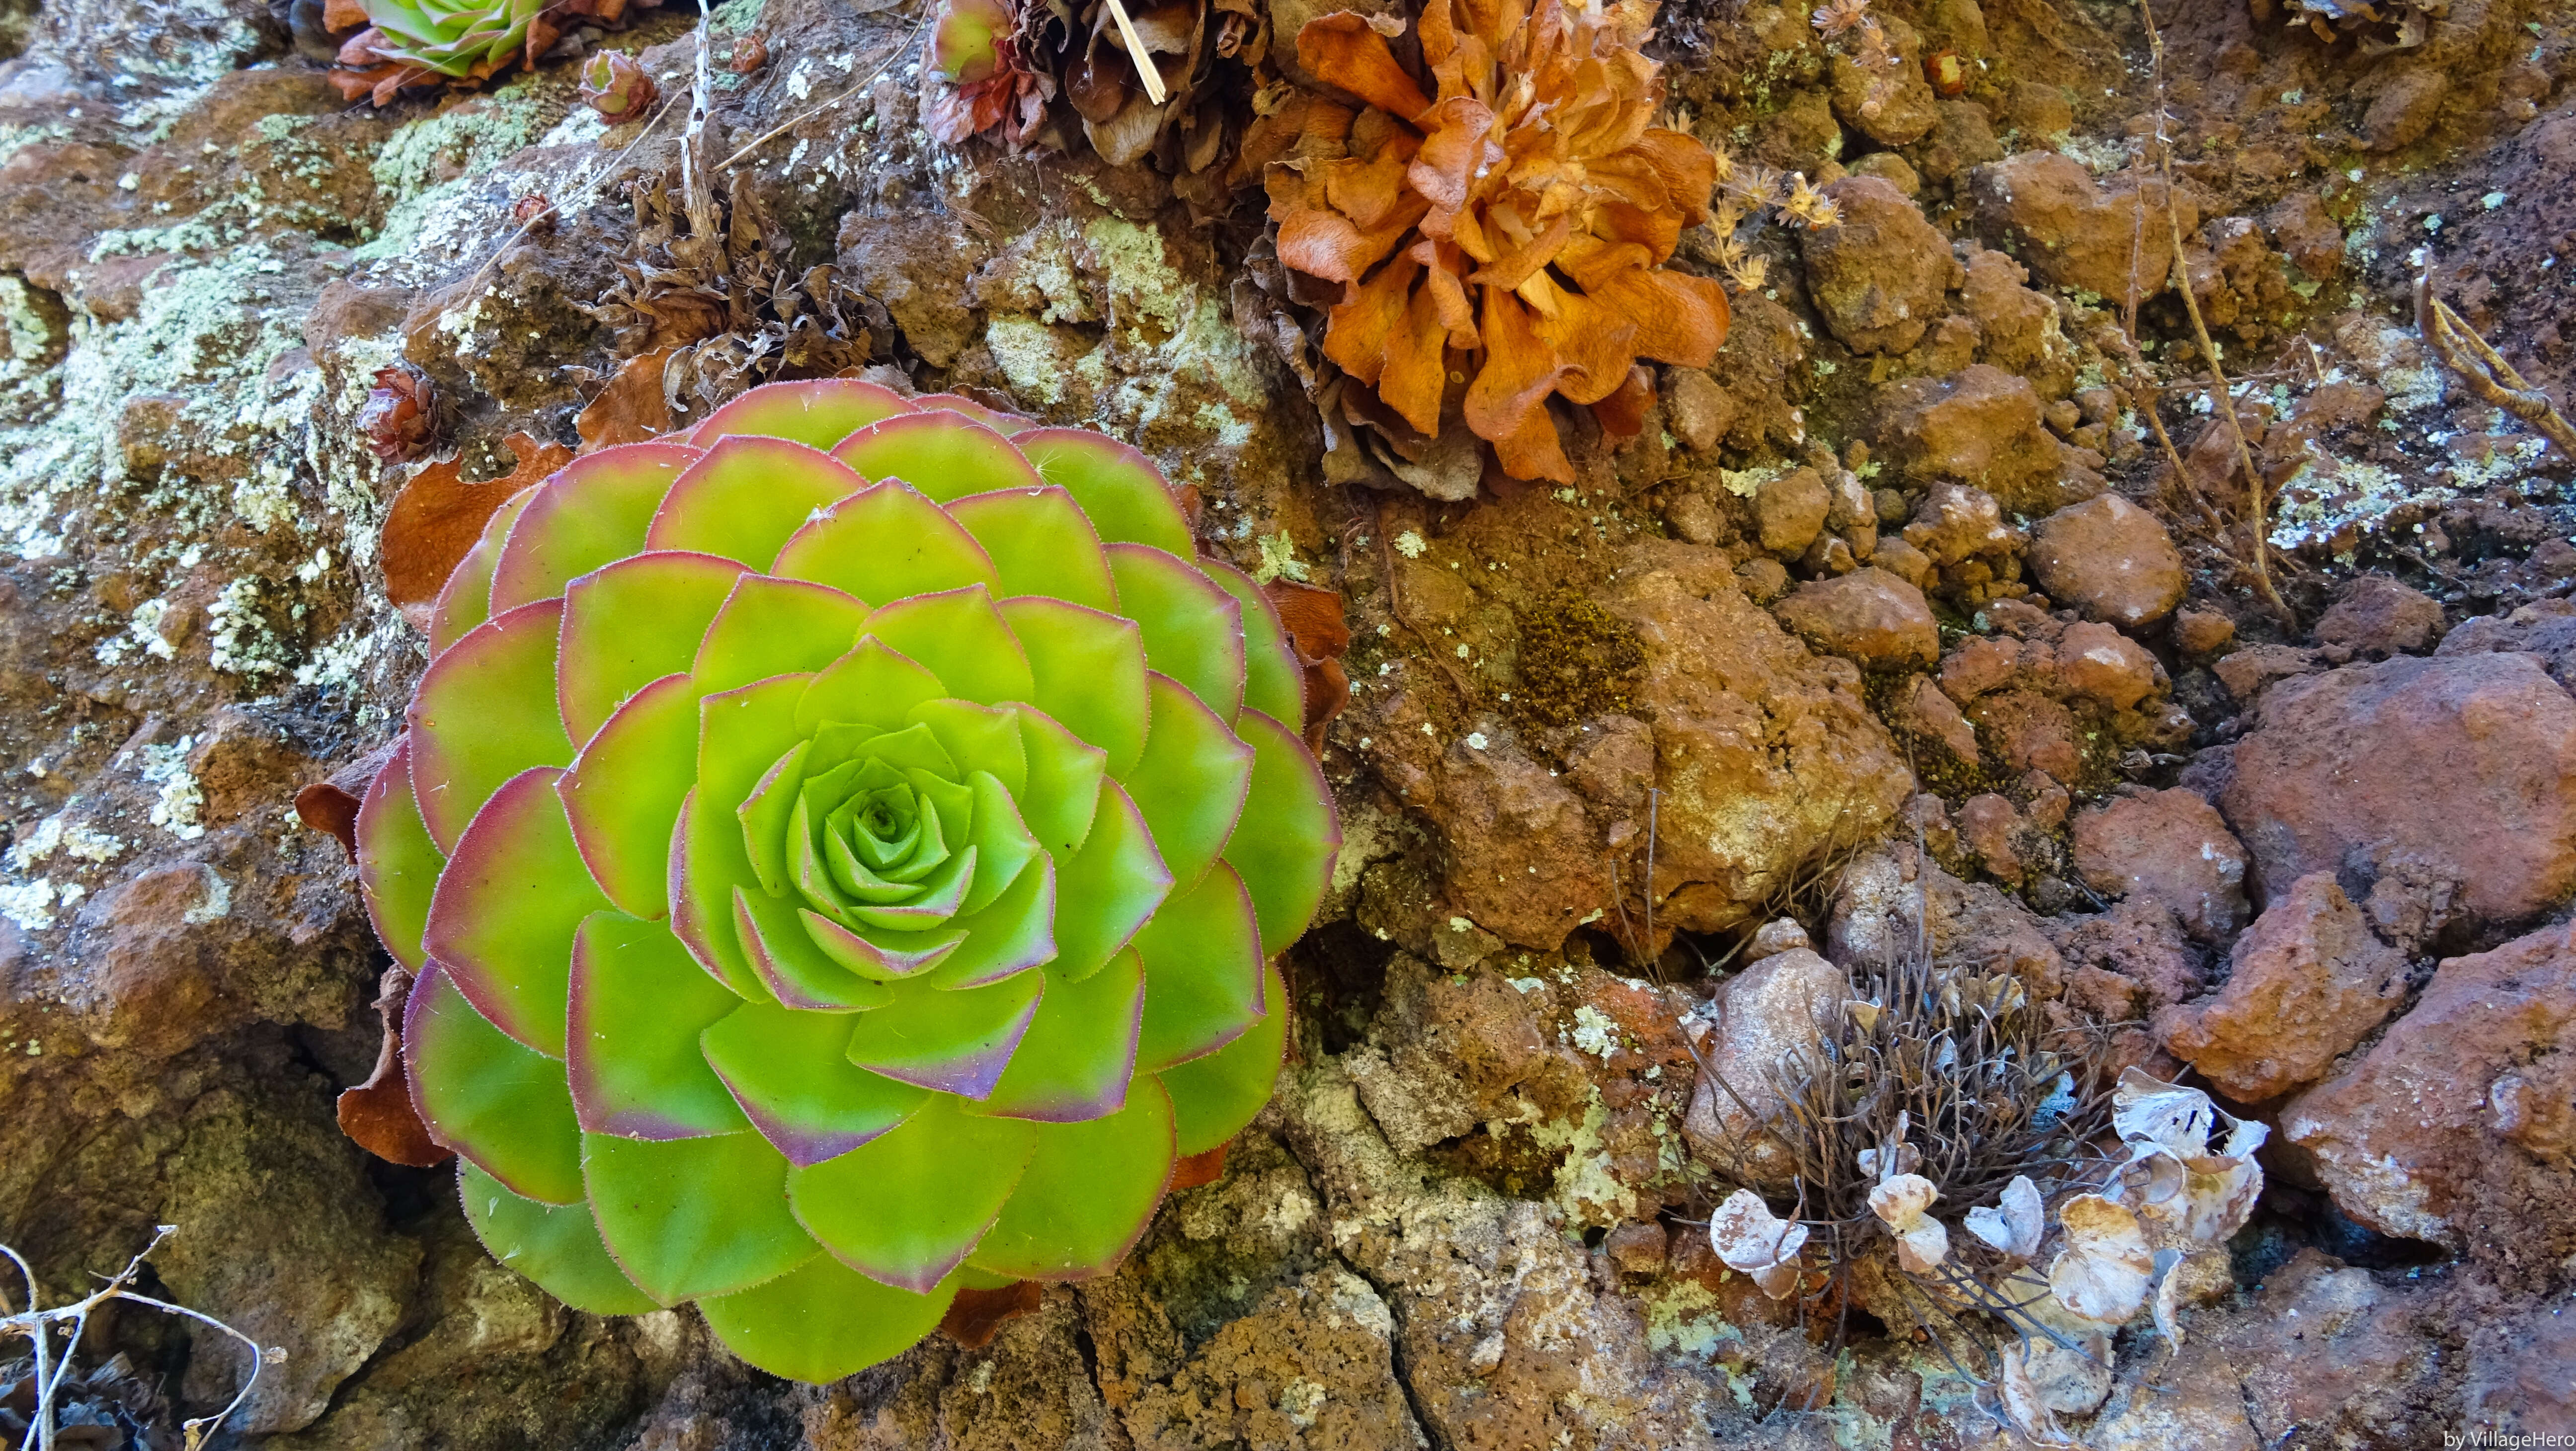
[1279, 561]
[2334, 503]
[29, 904]
[1594, 1033]
[58, 835]
[176, 804]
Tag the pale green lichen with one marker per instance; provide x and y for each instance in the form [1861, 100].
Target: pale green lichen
[1279, 560]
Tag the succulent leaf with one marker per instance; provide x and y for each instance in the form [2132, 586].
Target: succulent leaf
[818, 413]
[594, 513]
[490, 1099]
[943, 454]
[691, 1217]
[746, 496]
[398, 865]
[628, 624]
[880, 852]
[555, 1245]
[485, 711]
[638, 1007]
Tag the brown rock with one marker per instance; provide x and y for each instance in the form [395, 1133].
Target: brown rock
[2544, 628]
[1878, 279]
[2248, 673]
[2110, 559]
[1891, 168]
[2139, 945]
[2099, 661]
[1868, 615]
[1980, 664]
[2377, 616]
[2406, 107]
[1311, 1365]
[2459, 770]
[1962, 139]
[1613, 762]
[2330, 1350]
[1637, 1249]
[2030, 732]
[1987, 825]
[1764, 579]
[2303, 228]
[2304, 984]
[1790, 510]
[1929, 712]
[1698, 411]
[1891, 106]
[2404, 1139]
[1765, 751]
[2202, 632]
[1776, 1007]
[2074, 234]
[157, 966]
[1903, 560]
[1980, 426]
[1955, 522]
[2018, 326]
[2171, 846]
[1523, 859]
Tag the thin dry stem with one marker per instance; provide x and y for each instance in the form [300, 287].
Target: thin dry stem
[37, 1324]
[2257, 520]
[2483, 368]
[790, 124]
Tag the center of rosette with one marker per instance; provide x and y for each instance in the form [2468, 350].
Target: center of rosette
[881, 835]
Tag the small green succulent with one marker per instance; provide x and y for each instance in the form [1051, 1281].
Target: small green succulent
[844, 857]
[465, 41]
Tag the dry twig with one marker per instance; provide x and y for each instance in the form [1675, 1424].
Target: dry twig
[39, 1325]
[2483, 368]
[2225, 399]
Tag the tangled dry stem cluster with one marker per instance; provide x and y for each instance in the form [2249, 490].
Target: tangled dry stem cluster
[1938, 1141]
[52, 1364]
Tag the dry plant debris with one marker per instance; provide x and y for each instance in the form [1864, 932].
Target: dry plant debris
[1940, 1152]
[712, 287]
[1489, 230]
[48, 1371]
[2480, 366]
[2376, 28]
[997, 65]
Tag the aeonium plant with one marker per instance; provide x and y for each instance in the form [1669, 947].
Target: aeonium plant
[843, 855]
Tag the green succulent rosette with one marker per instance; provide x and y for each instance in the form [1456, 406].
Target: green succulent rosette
[469, 40]
[844, 857]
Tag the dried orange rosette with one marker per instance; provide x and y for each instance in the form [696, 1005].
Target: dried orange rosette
[1499, 217]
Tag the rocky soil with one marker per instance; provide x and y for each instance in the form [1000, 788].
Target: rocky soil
[1902, 594]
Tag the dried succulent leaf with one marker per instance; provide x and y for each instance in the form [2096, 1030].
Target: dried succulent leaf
[2148, 1110]
[2013, 1226]
[1750, 1240]
[632, 408]
[378, 1115]
[2023, 1404]
[2103, 1271]
[438, 516]
[1921, 1241]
